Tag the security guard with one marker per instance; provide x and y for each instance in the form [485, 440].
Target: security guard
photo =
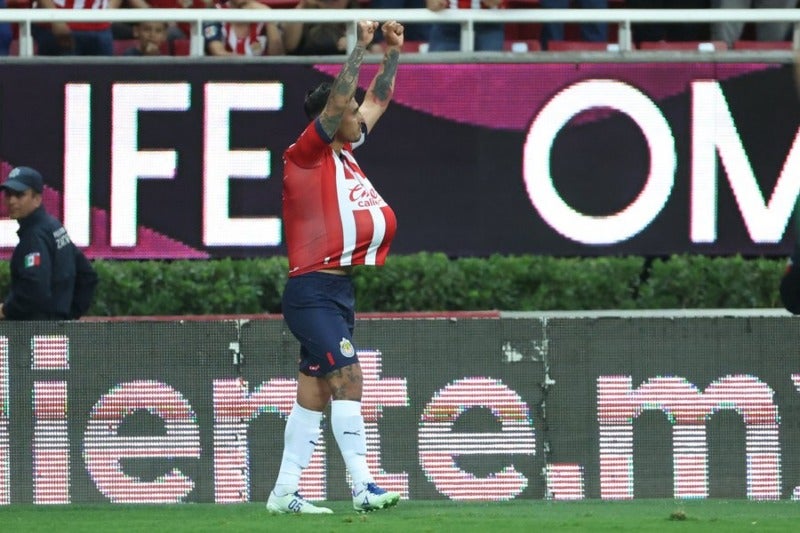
[51, 279]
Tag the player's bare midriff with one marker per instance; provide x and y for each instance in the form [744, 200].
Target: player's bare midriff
[342, 271]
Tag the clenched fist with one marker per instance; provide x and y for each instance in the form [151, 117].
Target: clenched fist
[393, 33]
[366, 31]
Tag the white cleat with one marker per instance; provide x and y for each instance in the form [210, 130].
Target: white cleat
[293, 503]
[372, 498]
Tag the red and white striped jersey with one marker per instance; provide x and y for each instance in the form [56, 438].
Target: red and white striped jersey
[84, 4]
[333, 215]
[241, 38]
[243, 46]
[471, 4]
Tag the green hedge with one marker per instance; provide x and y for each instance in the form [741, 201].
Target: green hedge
[432, 282]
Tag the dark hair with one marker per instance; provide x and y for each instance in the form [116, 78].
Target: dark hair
[316, 99]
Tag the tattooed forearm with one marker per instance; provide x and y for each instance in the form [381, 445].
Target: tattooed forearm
[383, 84]
[330, 123]
[345, 82]
[342, 91]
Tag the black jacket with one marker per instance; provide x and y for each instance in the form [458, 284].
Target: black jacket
[51, 279]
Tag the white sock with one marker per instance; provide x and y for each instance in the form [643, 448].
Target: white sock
[299, 440]
[348, 429]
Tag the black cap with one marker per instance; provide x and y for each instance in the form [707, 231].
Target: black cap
[21, 179]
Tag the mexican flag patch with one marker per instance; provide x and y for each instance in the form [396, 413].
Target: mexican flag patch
[33, 260]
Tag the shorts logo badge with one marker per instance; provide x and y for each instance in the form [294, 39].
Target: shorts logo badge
[346, 347]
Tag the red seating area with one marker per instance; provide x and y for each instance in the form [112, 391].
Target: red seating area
[414, 46]
[580, 46]
[762, 45]
[699, 46]
[522, 46]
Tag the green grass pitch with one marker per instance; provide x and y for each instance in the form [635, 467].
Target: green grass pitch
[663, 516]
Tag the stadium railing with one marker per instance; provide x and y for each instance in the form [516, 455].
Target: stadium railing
[622, 18]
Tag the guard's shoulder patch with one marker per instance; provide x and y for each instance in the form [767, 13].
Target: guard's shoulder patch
[33, 259]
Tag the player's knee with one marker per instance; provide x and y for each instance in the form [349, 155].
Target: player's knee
[347, 391]
[346, 383]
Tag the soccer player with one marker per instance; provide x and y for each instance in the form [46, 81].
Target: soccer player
[334, 220]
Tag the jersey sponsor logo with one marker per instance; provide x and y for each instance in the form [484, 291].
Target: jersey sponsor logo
[33, 260]
[364, 197]
[346, 347]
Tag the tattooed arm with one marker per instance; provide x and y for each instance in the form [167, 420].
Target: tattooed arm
[344, 86]
[382, 86]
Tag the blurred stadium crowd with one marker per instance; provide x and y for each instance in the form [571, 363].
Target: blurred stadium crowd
[254, 39]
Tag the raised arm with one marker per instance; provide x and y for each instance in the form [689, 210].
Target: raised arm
[344, 86]
[380, 90]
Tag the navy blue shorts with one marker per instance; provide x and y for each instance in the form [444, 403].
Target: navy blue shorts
[319, 309]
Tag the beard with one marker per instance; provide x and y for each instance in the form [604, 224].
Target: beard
[349, 136]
